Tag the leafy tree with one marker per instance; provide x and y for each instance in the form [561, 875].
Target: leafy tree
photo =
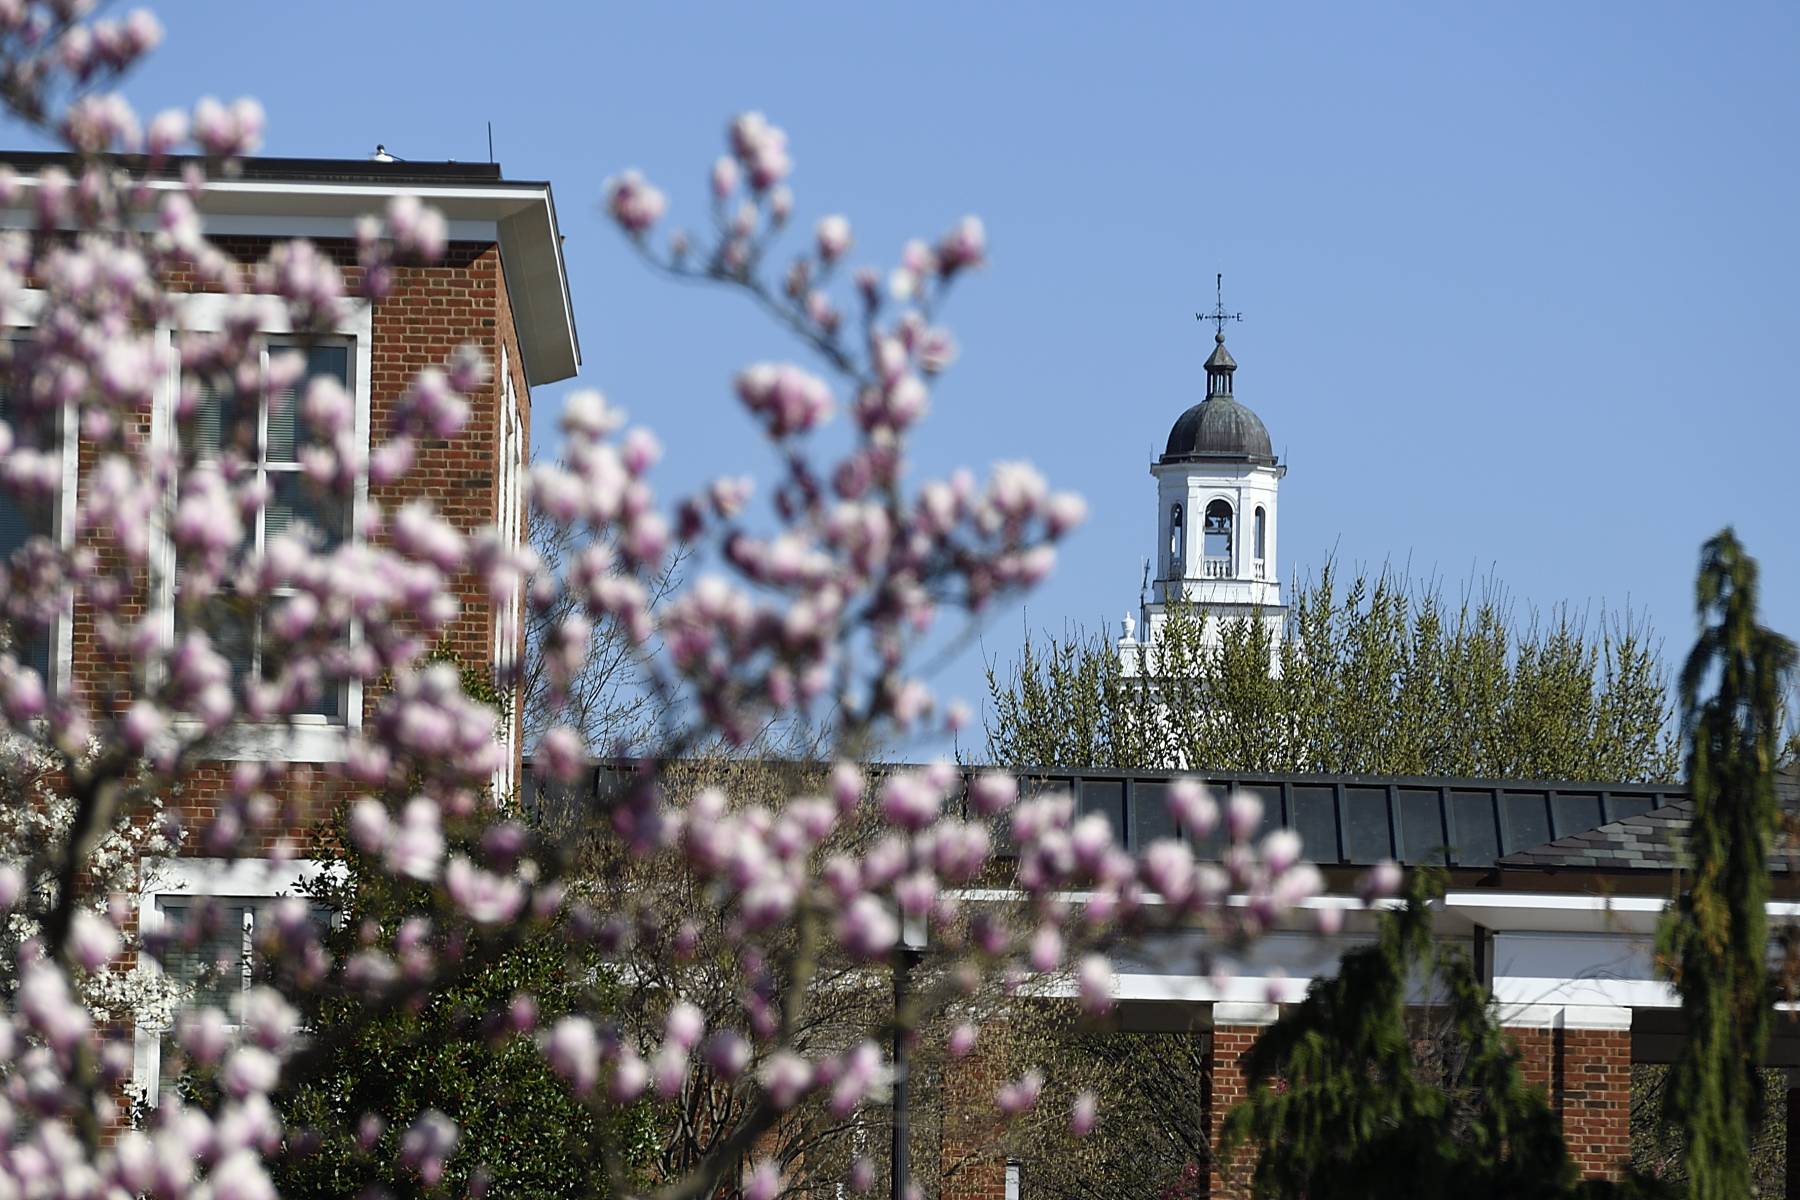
[1386, 677]
[1380, 678]
[1715, 940]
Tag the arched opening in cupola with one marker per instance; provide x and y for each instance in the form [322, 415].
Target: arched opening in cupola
[1217, 541]
[1262, 540]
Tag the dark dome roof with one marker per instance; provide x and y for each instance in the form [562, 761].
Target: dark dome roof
[1219, 427]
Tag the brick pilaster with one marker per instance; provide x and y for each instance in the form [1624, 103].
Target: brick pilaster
[1596, 1104]
[973, 1170]
[1586, 1074]
[1226, 1086]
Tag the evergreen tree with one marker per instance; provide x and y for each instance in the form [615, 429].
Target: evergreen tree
[1714, 941]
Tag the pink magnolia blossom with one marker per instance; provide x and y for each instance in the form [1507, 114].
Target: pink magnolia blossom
[488, 899]
[1021, 1095]
[633, 203]
[1243, 813]
[1084, 1114]
[727, 1054]
[809, 605]
[762, 1181]
[833, 237]
[1193, 808]
[573, 1051]
[1381, 881]
[426, 1145]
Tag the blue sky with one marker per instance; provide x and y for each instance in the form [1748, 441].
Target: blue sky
[1519, 281]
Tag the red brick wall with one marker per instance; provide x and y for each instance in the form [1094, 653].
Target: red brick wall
[970, 1126]
[1596, 1112]
[1225, 1087]
[1586, 1073]
[430, 312]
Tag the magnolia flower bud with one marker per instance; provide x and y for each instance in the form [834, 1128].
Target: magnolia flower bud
[668, 1071]
[203, 1034]
[369, 826]
[1280, 850]
[724, 176]
[1380, 881]
[1083, 1114]
[963, 246]
[92, 939]
[248, 1071]
[562, 753]
[1094, 984]
[868, 928]
[1021, 1095]
[685, 1025]
[993, 792]
[727, 1054]
[762, 1181]
[1193, 809]
[427, 1143]
[1243, 813]
[786, 1077]
[633, 203]
[833, 235]
[630, 1077]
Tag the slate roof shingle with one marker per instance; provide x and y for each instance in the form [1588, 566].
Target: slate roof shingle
[1650, 841]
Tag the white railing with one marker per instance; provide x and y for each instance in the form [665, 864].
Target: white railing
[1215, 568]
[1262, 569]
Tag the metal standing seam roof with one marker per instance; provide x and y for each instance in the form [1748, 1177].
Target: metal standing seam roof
[1219, 428]
[1650, 841]
[1343, 820]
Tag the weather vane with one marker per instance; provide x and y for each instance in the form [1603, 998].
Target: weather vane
[1218, 316]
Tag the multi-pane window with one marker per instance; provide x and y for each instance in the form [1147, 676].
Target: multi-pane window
[210, 953]
[265, 432]
[21, 520]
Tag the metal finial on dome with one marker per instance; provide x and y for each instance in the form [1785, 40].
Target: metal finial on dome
[1218, 316]
[1219, 427]
[1220, 364]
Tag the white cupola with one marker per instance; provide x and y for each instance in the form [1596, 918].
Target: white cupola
[1216, 490]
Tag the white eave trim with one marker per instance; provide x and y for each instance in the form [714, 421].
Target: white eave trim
[519, 217]
[1555, 912]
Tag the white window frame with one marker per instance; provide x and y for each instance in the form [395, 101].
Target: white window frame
[509, 514]
[24, 317]
[305, 737]
[202, 878]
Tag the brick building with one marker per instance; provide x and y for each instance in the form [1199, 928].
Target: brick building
[502, 287]
[1554, 889]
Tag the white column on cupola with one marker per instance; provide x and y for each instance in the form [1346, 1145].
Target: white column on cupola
[1217, 484]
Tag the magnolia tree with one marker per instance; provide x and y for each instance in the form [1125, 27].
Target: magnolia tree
[809, 606]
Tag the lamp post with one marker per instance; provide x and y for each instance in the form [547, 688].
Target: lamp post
[909, 952]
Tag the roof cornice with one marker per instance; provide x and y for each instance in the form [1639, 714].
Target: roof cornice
[282, 198]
